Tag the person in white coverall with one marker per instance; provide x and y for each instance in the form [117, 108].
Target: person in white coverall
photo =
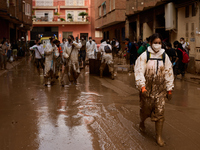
[71, 52]
[90, 47]
[51, 53]
[155, 81]
[107, 58]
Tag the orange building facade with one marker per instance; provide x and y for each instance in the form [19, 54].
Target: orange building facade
[61, 18]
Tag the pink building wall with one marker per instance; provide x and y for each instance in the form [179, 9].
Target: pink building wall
[75, 28]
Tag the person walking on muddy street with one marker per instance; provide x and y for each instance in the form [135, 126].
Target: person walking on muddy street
[155, 81]
[132, 53]
[107, 58]
[90, 47]
[3, 55]
[82, 53]
[70, 53]
[51, 52]
[39, 55]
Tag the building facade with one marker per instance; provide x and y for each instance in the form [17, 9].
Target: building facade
[61, 18]
[110, 18]
[172, 19]
[15, 18]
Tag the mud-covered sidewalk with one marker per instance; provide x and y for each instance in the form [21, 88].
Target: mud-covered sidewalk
[98, 113]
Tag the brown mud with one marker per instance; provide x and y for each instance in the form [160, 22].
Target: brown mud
[98, 113]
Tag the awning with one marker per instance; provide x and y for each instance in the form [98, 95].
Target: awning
[103, 3]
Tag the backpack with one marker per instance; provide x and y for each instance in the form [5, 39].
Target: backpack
[186, 58]
[158, 59]
[107, 49]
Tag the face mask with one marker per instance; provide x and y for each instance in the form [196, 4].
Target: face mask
[156, 47]
[90, 40]
[182, 42]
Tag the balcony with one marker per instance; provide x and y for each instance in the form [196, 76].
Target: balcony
[57, 20]
[133, 7]
[64, 4]
[111, 18]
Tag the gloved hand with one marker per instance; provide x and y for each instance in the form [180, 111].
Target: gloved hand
[144, 91]
[169, 95]
[174, 63]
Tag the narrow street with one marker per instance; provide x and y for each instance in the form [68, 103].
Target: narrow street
[99, 114]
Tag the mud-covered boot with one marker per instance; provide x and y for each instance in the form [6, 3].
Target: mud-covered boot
[112, 76]
[142, 126]
[101, 73]
[159, 128]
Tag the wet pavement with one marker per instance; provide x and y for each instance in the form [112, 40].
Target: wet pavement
[99, 114]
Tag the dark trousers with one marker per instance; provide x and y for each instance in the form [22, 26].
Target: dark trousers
[39, 62]
[82, 55]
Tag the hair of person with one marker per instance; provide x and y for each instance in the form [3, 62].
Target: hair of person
[63, 39]
[176, 43]
[127, 39]
[155, 36]
[90, 37]
[182, 38]
[72, 37]
[169, 44]
[37, 40]
[93, 40]
[103, 40]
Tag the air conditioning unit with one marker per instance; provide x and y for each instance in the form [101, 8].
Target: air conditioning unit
[170, 17]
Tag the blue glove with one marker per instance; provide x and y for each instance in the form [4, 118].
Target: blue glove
[174, 63]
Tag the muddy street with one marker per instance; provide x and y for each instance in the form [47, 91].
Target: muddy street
[96, 114]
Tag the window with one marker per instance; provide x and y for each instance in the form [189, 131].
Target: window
[44, 2]
[70, 12]
[110, 5]
[187, 11]
[43, 13]
[20, 5]
[104, 8]
[194, 8]
[66, 34]
[113, 4]
[27, 9]
[75, 14]
[69, 2]
[99, 11]
[80, 2]
[79, 18]
[98, 34]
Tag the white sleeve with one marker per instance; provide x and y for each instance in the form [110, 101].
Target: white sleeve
[87, 45]
[56, 51]
[169, 75]
[77, 45]
[139, 69]
[65, 55]
[32, 48]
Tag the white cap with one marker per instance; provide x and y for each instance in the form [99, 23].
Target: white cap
[22, 37]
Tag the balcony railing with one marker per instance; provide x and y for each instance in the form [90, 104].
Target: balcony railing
[60, 18]
[70, 3]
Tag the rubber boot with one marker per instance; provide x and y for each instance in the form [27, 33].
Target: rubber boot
[112, 76]
[159, 128]
[101, 73]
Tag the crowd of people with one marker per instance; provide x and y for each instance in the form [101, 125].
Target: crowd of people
[10, 52]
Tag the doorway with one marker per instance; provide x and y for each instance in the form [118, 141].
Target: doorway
[85, 35]
[66, 34]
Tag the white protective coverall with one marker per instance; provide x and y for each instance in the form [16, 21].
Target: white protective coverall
[157, 76]
[51, 53]
[90, 47]
[107, 58]
[73, 63]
